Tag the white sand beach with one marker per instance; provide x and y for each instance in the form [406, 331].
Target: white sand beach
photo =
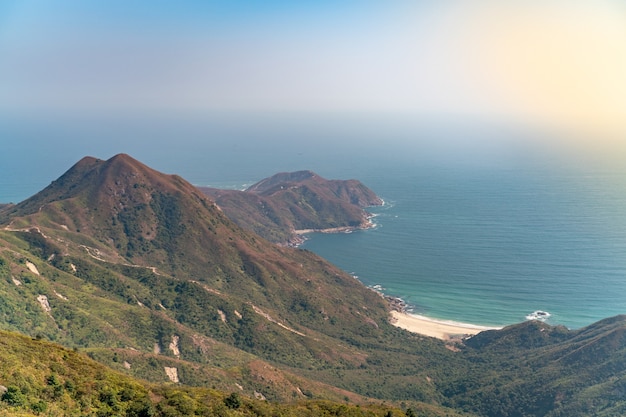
[435, 328]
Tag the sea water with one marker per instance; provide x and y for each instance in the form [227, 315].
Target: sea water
[472, 230]
[491, 246]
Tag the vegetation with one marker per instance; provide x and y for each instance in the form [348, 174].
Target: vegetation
[39, 378]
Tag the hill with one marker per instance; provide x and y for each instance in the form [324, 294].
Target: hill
[143, 273]
[281, 207]
[541, 370]
[41, 378]
[114, 255]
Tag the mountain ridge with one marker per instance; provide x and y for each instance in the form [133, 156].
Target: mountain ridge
[154, 241]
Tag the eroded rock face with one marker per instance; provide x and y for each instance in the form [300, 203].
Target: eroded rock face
[43, 301]
[172, 373]
[32, 268]
[174, 345]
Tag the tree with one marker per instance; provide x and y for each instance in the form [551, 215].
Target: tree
[233, 401]
[13, 396]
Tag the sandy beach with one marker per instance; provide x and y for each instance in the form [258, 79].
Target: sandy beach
[435, 328]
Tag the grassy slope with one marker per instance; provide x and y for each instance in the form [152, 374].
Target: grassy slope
[102, 310]
[42, 378]
[122, 334]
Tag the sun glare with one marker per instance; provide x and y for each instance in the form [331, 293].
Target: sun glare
[559, 67]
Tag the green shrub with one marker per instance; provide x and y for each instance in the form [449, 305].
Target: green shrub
[13, 396]
[233, 401]
[39, 407]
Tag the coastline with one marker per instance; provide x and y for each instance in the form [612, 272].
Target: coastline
[299, 235]
[440, 329]
[368, 224]
[450, 331]
[446, 330]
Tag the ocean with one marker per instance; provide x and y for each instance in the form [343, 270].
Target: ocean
[479, 228]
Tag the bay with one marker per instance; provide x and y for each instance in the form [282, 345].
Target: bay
[475, 227]
[490, 247]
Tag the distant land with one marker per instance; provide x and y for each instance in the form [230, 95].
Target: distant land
[283, 207]
[145, 274]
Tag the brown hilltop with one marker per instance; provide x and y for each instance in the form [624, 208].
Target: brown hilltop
[102, 181]
[269, 185]
[119, 202]
[285, 203]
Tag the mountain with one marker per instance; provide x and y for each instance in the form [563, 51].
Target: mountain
[541, 370]
[281, 206]
[143, 273]
[114, 255]
[130, 218]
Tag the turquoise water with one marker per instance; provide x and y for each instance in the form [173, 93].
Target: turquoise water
[481, 234]
[491, 246]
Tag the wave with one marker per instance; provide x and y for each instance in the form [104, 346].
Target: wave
[386, 204]
[538, 315]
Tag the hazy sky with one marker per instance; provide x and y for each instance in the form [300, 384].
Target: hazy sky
[554, 64]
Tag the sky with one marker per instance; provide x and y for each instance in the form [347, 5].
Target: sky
[552, 64]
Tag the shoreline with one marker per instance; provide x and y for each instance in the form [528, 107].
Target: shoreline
[446, 330]
[440, 329]
[450, 331]
[368, 224]
[299, 235]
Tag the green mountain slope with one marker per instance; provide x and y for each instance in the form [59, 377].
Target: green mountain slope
[129, 258]
[278, 206]
[536, 369]
[39, 378]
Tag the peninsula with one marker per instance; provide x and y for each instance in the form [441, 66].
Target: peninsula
[287, 205]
